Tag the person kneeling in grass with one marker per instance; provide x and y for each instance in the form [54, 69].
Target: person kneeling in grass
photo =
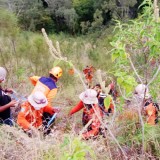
[5, 101]
[30, 117]
[150, 108]
[91, 112]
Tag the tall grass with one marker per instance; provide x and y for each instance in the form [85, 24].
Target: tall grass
[25, 54]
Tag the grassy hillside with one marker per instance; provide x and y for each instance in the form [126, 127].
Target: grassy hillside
[26, 53]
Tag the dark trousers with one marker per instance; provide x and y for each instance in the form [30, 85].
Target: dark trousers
[46, 119]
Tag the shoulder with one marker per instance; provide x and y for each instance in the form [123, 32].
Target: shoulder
[48, 82]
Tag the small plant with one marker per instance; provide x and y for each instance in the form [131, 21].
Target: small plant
[75, 149]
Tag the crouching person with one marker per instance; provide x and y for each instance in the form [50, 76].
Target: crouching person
[150, 108]
[91, 112]
[5, 101]
[31, 114]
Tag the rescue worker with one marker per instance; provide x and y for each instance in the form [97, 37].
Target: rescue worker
[141, 91]
[151, 109]
[31, 114]
[5, 101]
[48, 86]
[91, 111]
[89, 73]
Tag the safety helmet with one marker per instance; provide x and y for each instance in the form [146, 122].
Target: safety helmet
[38, 100]
[3, 73]
[141, 90]
[56, 72]
[89, 96]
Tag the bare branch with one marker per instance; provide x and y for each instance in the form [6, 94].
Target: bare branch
[155, 75]
[110, 132]
[132, 65]
[56, 53]
[140, 106]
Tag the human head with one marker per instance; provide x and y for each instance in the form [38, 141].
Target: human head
[38, 100]
[111, 85]
[89, 96]
[97, 88]
[56, 72]
[142, 91]
[3, 74]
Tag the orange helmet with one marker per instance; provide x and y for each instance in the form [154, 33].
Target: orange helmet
[56, 72]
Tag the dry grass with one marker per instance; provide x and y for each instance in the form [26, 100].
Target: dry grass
[16, 145]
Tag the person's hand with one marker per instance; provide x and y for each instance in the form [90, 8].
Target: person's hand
[9, 90]
[12, 103]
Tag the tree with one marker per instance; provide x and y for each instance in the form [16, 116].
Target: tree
[136, 54]
[31, 14]
[84, 9]
[137, 46]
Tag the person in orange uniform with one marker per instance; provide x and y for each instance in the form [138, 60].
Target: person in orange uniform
[150, 108]
[30, 116]
[89, 72]
[47, 85]
[91, 111]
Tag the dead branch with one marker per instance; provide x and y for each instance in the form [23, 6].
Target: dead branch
[56, 54]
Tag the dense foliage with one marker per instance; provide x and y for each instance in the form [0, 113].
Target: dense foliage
[138, 52]
[77, 16]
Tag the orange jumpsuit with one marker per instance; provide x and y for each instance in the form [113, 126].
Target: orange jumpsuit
[152, 113]
[45, 85]
[89, 114]
[29, 116]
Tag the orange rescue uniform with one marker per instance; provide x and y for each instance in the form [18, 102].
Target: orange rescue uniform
[45, 85]
[152, 113]
[28, 116]
[89, 114]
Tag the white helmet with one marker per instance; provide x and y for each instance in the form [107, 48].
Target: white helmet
[3, 73]
[89, 96]
[38, 100]
[142, 90]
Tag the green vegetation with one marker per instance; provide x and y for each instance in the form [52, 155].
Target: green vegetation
[71, 16]
[84, 30]
[136, 51]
